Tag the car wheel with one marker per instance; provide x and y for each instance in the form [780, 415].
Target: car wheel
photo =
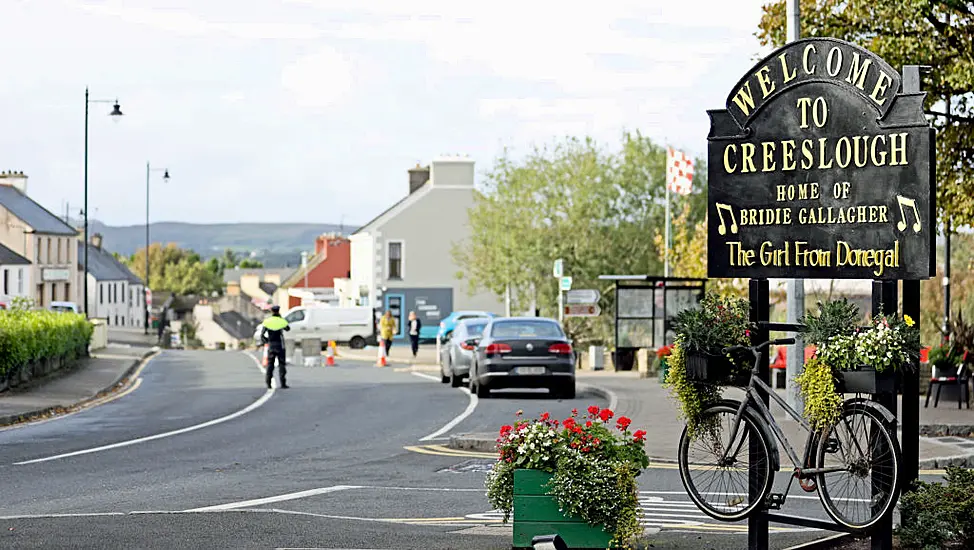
[564, 392]
[455, 380]
[357, 342]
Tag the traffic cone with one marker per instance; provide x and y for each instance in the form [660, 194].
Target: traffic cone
[382, 356]
[329, 355]
[264, 361]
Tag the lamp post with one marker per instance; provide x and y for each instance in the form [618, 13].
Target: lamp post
[165, 178]
[116, 112]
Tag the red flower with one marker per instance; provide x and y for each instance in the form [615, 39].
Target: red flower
[747, 333]
[623, 422]
[640, 435]
[593, 410]
[544, 416]
[588, 424]
[569, 423]
[596, 441]
[506, 430]
[605, 415]
[574, 412]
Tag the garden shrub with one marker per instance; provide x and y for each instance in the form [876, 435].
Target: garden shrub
[30, 336]
[939, 515]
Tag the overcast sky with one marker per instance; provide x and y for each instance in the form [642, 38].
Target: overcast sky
[313, 110]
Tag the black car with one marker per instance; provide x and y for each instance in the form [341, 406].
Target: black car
[523, 352]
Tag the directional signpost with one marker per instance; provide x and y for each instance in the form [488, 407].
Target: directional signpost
[559, 269]
[583, 296]
[582, 310]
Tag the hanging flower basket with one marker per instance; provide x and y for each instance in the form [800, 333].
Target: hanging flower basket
[867, 380]
[715, 369]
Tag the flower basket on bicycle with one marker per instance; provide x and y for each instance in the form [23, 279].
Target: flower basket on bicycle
[867, 380]
[715, 369]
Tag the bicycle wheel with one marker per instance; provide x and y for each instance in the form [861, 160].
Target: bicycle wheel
[723, 488]
[865, 490]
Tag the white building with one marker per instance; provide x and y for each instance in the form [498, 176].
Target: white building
[402, 260]
[44, 239]
[114, 292]
[14, 276]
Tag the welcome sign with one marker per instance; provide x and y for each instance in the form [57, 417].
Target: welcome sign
[820, 167]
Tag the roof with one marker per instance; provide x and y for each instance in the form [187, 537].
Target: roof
[103, 266]
[236, 325]
[9, 257]
[234, 275]
[394, 209]
[36, 216]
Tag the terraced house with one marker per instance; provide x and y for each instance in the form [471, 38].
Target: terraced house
[115, 294]
[46, 241]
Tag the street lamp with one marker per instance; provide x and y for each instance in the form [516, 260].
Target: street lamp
[116, 112]
[165, 178]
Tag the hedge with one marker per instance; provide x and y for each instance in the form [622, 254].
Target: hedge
[30, 336]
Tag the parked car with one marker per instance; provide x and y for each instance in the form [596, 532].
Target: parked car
[456, 354]
[352, 325]
[450, 321]
[523, 352]
[64, 307]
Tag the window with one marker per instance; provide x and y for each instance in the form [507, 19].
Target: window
[295, 316]
[20, 281]
[101, 294]
[395, 259]
[48, 259]
[6, 281]
[37, 253]
[67, 292]
[526, 329]
[59, 251]
[53, 291]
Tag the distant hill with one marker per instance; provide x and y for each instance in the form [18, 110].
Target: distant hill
[276, 244]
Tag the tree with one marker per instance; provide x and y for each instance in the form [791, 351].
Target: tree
[250, 264]
[230, 259]
[177, 270]
[572, 200]
[935, 33]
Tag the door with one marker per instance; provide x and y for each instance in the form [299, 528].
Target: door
[394, 303]
[300, 323]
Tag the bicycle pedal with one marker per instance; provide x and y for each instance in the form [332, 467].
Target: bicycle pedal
[775, 501]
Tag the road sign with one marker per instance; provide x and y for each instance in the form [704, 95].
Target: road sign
[559, 269]
[583, 296]
[582, 310]
[566, 283]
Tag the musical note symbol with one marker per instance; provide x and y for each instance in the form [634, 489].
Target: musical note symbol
[723, 227]
[912, 203]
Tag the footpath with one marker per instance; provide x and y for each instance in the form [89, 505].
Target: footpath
[94, 379]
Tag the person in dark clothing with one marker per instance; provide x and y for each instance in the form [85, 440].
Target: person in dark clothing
[272, 334]
[414, 325]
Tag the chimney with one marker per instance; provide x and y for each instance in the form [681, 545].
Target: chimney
[96, 240]
[417, 177]
[321, 241]
[17, 180]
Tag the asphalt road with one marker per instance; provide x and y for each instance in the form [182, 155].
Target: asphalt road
[201, 455]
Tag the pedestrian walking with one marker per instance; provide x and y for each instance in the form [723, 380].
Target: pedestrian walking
[272, 334]
[387, 328]
[414, 325]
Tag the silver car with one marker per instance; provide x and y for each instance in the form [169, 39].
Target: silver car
[456, 354]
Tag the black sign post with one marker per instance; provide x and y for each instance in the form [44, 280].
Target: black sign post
[822, 166]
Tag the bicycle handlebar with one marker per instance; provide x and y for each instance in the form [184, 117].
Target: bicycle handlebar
[755, 349]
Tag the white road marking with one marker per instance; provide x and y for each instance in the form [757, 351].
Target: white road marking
[269, 500]
[459, 418]
[613, 398]
[255, 405]
[426, 376]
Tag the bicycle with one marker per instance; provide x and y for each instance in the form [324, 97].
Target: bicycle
[867, 459]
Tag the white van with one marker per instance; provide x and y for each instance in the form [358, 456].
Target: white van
[352, 325]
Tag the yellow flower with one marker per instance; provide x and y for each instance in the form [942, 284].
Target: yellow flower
[909, 320]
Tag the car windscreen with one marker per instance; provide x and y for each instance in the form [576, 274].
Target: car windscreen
[62, 309]
[476, 329]
[526, 329]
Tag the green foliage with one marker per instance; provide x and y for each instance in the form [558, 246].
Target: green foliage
[817, 384]
[693, 397]
[835, 318]
[935, 33]
[960, 333]
[29, 336]
[892, 342]
[939, 515]
[718, 323]
[250, 264]
[576, 201]
[178, 270]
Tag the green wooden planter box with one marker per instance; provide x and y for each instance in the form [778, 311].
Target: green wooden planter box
[536, 513]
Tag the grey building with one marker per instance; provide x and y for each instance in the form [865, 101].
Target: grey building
[114, 292]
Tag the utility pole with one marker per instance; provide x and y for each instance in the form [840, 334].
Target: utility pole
[795, 288]
[946, 280]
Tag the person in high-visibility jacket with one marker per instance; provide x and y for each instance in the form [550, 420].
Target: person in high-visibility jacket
[387, 329]
[272, 334]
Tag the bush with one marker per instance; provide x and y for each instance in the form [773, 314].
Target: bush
[30, 336]
[939, 515]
